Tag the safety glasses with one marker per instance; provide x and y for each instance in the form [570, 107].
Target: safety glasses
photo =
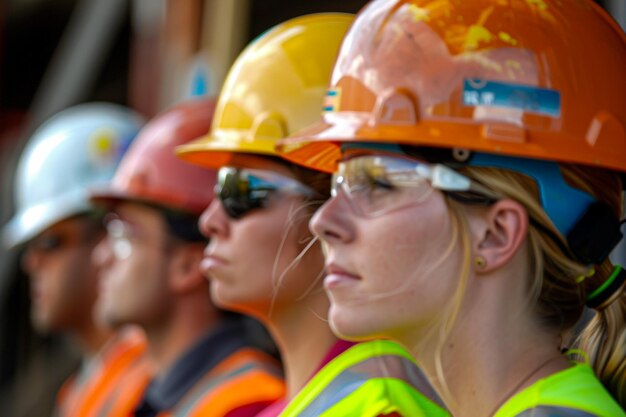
[124, 235]
[376, 185]
[241, 190]
[120, 235]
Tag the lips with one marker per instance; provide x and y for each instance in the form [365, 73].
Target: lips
[211, 262]
[339, 277]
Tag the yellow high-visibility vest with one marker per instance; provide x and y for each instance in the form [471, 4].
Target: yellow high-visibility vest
[574, 392]
[368, 380]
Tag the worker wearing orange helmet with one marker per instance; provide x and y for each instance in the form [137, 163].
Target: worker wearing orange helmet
[477, 148]
[205, 362]
[261, 259]
[58, 227]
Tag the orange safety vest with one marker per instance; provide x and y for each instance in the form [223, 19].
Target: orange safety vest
[114, 382]
[247, 379]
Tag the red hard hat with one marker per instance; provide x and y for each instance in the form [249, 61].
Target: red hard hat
[150, 172]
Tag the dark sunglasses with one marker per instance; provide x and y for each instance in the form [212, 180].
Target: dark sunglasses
[241, 190]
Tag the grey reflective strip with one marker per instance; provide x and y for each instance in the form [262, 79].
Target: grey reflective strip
[352, 378]
[549, 411]
[208, 383]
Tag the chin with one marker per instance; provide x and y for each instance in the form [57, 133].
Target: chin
[350, 325]
[229, 297]
[41, 326]
[109, 320]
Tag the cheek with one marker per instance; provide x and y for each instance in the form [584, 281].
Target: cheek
[144, 279]
[405, 250]
[409, 269]
[71, 288]
[256, 248]
[123, 286]
[84, 278]
[123, 281]
[267, 269]
[269, 243]
[246, 284]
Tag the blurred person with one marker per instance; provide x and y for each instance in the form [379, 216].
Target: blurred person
[206, 362]
[261, 259]
[478, 151]
[58, 228]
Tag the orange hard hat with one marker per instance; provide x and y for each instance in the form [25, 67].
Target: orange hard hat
[542, 79]
[151, 173]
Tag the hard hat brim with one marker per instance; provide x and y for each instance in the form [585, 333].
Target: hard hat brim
[27, 224]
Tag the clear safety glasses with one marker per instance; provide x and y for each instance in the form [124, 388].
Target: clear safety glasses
[241, 190]
[120, 235]
[376, 185]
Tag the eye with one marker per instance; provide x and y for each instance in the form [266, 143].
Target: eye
[48, 243]
[380, 183]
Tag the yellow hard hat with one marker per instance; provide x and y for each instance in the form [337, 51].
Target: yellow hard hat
[275, 87]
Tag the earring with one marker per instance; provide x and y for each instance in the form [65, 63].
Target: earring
[480, 262]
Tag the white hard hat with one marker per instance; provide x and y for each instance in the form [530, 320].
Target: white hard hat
[76, 150]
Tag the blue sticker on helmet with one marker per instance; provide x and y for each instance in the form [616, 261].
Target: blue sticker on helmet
[332, 100]
[477, 92]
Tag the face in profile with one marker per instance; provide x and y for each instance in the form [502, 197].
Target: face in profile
[63, 280]
[261, 259]
[134, 267]
[392, 255]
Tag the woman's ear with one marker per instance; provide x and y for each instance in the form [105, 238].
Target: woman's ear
[501, 233]
[185, 267]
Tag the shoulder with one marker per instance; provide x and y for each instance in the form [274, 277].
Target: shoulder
[243, 384]
[574, 392]
[368, 379]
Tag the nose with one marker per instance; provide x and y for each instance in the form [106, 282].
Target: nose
[31, 260]
[333, 222]
[102, 254]
[213, 221]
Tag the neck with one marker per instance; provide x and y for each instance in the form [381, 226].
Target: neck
[489, 357]
[303, 337]
[169, 339]
[91, 338]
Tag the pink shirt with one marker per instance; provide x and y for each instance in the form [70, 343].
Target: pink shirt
[337, 349]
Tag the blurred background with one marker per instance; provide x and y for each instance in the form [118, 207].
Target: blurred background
[146, 54]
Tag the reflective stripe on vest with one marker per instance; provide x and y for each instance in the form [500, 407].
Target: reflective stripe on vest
[129, 391]
[245, 377]
[369, 379]
[544, 411]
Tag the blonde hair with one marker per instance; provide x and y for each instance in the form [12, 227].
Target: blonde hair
[556, 291]
[441, 329]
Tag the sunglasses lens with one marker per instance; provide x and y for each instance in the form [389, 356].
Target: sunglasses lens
[236, 194]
